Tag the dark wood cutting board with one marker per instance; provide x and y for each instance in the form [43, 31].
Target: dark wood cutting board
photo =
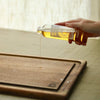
[38, 77]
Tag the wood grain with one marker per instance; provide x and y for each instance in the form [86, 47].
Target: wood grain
[33, 72]
[44, 78]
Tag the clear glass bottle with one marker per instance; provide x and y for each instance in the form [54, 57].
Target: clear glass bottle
[57, 32]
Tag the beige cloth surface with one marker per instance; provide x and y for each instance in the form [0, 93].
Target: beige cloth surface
[30, 43]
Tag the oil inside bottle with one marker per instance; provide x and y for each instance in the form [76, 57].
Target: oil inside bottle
[58, 32]
[58, 35]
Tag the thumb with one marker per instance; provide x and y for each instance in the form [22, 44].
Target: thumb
[73, 25]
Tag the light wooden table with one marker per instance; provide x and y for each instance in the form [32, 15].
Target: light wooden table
[30, 43]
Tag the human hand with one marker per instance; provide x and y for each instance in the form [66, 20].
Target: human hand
[88, 28]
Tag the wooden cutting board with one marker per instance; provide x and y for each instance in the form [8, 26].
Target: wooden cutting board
[38, 77]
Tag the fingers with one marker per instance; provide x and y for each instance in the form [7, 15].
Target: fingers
[61, 23]
[75, 20]
[78, 37]
[84, 39]
[81, 37]
[71, 36]
[73, 25]
[69, 22]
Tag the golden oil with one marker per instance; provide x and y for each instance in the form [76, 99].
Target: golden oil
[58, 35]
[58, 32]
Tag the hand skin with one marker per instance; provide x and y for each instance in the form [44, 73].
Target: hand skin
[88, 27]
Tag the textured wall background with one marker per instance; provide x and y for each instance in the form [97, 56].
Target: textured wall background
[29, 14]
